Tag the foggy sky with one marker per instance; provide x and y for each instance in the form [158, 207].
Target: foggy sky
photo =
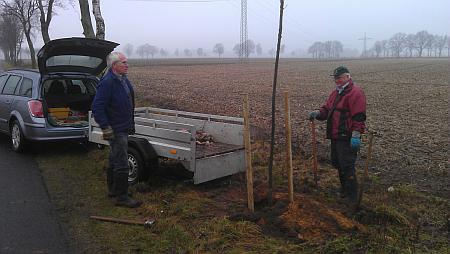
[193, 25]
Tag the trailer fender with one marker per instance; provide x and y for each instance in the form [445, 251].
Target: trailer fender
[144, 147]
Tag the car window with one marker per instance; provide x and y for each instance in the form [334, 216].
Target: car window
[25, 88]
[3, 78]
[74, 60]
[11, 84]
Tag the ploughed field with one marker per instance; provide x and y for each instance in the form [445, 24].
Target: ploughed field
[407, 106]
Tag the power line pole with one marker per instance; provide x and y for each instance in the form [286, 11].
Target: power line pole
[243, 52]
[365, 38]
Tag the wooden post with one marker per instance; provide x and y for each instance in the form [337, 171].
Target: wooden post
[366, 171]
[314, 147]
[248, 155]
[287, 124]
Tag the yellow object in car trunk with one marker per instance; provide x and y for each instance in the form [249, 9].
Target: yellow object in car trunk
[59, 113]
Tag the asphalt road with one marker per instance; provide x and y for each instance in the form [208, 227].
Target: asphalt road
[28, 221]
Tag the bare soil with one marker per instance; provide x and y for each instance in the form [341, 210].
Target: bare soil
[407, 103]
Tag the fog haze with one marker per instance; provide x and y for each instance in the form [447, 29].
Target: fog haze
[192, 25]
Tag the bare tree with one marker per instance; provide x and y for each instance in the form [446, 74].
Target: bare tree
[422, 38]
[86, 22]
[147, 50]
[200, 52]
[448, 46]
[11, 37]
[251, 48]
[384, 46]
[219, 49]
[152, 50]
[441, 42]
[316, 49]
[397, 43]
[99, 22]
[377, 48]
[140, 51]
[46, 14]
[25, 11]
[176, 52]
[163, 52]
[410, 43]
[337, 49]
[430, 44]
[259, 49]
[128, 49]
[88, 30]
[187, 52]
[271, 52]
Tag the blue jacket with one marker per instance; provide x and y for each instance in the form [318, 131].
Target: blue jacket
[112, 106]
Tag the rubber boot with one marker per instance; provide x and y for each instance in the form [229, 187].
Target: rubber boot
[352, 189]
[122, 199]
[343, 190]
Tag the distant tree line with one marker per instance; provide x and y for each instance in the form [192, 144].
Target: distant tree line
[147, 50]
[421, 44]
[327, 49]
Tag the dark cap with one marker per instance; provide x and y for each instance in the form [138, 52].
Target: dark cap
[339, 71]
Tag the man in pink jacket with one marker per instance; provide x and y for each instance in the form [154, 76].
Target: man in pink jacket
[345, 112]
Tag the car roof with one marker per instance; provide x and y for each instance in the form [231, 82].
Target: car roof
[23, 71]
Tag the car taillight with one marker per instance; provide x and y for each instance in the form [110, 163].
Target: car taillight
[35, 108]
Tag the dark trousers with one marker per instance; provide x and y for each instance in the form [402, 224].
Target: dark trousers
[343, 157]
[117, 174]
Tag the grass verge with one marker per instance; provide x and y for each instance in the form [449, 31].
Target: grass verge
[196, 219]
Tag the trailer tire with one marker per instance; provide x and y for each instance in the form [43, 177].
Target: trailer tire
[136, 164]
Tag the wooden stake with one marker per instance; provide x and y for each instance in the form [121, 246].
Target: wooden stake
[314, 147]
[366, 171]
[287, 124]
[248, 156]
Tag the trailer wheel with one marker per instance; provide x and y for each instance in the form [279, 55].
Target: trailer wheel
[136, 165]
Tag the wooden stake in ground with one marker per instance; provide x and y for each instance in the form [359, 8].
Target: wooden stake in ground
[314, 147]
[287, 124]
[366, 171]
[248, 155]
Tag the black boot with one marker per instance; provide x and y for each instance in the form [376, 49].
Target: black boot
[343, 189]
[121, 184]
[352, 189]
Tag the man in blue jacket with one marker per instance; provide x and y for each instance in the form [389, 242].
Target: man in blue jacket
[113, 109]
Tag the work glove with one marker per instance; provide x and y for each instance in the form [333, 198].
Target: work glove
[108, 134]
[313, 114]
[355, 142]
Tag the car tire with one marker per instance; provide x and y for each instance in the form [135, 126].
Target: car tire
[18, 140]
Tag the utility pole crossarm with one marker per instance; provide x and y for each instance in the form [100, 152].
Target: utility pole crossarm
[365, 38]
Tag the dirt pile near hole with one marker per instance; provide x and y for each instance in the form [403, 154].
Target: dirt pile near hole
[314, 221]
[305, 220]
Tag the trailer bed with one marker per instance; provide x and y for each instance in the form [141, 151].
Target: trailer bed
[215, 148]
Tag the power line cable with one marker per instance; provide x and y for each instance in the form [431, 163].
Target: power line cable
[181, 1]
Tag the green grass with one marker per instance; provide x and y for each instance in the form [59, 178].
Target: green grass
[402, 221]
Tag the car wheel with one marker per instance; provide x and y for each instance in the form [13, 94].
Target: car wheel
[136, 165]
[17, 137]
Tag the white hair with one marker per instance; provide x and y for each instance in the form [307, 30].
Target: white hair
[113, 57]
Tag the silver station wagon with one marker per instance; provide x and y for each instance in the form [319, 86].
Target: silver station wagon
[52, 103]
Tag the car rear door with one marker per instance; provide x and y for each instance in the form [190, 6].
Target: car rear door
[6, 100]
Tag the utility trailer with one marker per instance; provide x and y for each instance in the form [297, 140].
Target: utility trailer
[163, 133]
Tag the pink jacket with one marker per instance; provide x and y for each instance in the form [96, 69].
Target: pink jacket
[348, 115]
